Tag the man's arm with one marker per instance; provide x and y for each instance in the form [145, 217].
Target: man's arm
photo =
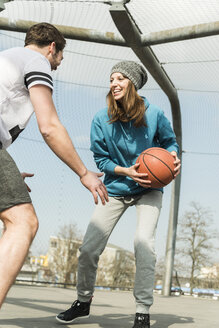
[57, 138]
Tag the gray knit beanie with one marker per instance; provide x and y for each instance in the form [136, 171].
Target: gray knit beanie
[133, 71]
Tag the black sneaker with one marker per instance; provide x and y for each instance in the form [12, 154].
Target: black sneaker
[77, 310]
[142, 320]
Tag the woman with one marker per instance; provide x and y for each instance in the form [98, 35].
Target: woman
[119, 134]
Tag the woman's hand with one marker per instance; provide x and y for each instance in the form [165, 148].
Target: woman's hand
[140, 178]
[177, 163]
[27, 175]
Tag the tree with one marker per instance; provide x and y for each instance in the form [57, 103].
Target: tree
[159, 272]
[194, 246]
[63, 254]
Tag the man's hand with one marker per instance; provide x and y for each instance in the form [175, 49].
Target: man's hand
[92, 182]
[27, 175]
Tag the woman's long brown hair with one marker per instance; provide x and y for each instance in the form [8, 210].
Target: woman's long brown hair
[132, 107]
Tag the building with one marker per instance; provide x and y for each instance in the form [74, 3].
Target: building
[210, 272]
[116, 265]
[33, 268]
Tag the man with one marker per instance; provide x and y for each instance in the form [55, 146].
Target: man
[26, 87]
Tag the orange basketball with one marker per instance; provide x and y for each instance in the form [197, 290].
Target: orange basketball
[158, 163]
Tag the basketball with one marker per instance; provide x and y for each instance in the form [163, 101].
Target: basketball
[158, 163]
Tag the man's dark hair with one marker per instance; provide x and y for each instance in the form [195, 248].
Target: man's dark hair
[43, 34]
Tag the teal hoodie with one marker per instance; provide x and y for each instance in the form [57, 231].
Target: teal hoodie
[121, 143]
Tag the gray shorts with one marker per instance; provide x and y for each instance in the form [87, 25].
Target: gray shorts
[13, 190]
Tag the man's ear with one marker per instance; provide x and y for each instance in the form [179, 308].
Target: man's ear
[52, 48]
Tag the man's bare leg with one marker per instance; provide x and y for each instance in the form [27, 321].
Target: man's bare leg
[21, 225]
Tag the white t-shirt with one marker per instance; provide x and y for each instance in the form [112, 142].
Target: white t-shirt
[20, 69]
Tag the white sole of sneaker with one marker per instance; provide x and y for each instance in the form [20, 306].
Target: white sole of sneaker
[67, 322]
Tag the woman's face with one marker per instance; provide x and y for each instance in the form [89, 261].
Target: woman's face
[118, 85]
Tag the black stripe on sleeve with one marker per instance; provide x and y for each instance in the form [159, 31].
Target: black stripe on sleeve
[37, 76]
[14, 132]
[37, 73]
[38, 79]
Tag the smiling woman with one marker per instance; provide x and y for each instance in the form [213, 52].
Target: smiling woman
[119, 85]
[119, 134]
[124, 103]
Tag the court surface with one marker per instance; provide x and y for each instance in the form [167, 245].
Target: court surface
[36, 307]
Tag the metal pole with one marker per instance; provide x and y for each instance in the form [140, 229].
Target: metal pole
[75, 33]
[90, 35]
[171, 237]
[180, 34]
[132, 36]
